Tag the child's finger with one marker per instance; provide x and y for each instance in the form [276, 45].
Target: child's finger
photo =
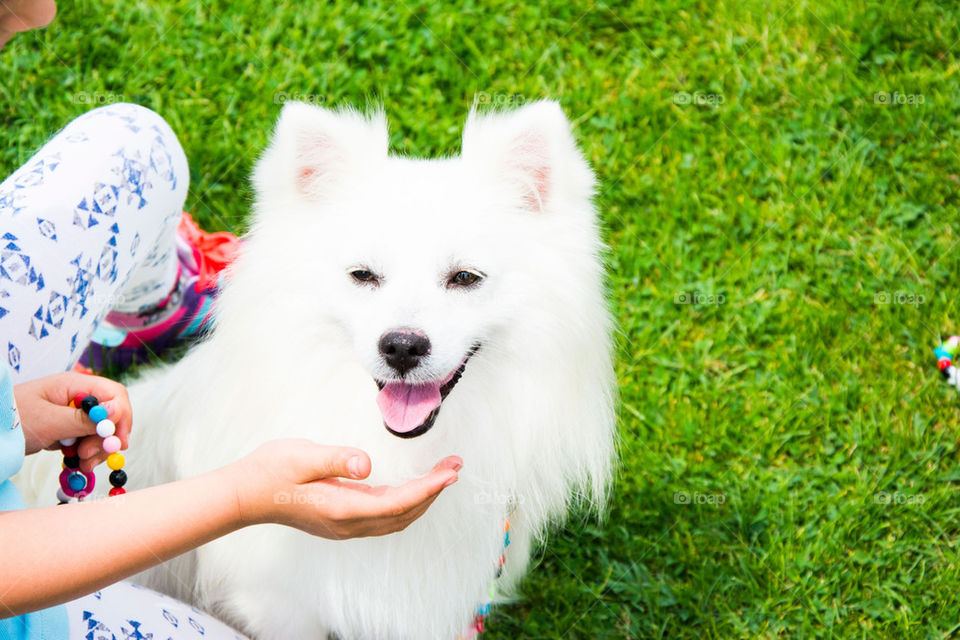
[450, 462]
[314, 461]
[396, 502]
[94, 460]
[89, 447]
[77, 424]
[74, 422]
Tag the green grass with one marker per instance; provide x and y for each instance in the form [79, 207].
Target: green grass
[786, 208]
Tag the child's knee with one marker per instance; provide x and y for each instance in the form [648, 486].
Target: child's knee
[147, 163]
[141, 137]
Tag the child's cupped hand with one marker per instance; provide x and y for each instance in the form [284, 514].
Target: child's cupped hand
[46, 417]
[297, 483]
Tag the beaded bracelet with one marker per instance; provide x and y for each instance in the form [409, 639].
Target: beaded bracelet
[76, 483]
[483, 609]
[944, 354]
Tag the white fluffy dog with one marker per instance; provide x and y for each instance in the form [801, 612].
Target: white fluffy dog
[415, 309]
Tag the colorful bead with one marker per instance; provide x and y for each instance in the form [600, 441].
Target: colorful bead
[111, 444]
[943, 363]
[76, 481]
[69, 451]
[105, 428]
[71, 462]
[115, 461]
[117, 491]
[91, 483]
[118, 478]
[98, 413]
[68, 442]
[62, 497]
[88, 402]
[492, 590]
[65, 483]
[952, 344]
[77, 399]
[484, 610]
[478, 623]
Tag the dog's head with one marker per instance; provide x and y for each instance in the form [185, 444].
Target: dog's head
[426, 264]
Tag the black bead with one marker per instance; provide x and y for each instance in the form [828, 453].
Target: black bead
[118, 478]
[88, 402]
[72, 462]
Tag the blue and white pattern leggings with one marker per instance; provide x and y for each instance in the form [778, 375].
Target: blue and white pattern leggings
[126, 611]
[88, 226]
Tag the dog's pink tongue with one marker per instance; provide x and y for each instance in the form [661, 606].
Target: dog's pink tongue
[405, 406]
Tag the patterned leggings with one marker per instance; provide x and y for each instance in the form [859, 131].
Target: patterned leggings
[88, 226]
[125, 611]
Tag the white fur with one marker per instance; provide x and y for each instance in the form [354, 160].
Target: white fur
[294, 353]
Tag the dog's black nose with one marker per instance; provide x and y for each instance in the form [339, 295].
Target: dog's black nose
[402, 349]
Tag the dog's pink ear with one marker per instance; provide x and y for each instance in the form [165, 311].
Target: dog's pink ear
[315, 150]
[533, 150]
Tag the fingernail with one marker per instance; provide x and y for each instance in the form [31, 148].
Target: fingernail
[353, 466]
[450, 481]
[457, 466]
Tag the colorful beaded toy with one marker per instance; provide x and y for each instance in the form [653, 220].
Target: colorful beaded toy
[484, 609]
[945, 353]
[75, 483]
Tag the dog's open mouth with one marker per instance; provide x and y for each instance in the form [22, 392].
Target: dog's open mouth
[409, 410]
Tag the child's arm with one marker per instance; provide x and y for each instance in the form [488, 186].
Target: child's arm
[52, 555]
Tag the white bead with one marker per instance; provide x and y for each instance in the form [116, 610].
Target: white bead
[61, 496]
[68, 442]
[106, 428]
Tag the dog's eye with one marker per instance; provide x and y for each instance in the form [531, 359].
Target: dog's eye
[364, 276]
[464, 279]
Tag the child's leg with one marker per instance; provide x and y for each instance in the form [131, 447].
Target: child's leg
[87, 225]
[125, 610]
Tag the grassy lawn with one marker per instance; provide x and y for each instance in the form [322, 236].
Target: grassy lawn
[779, 185]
